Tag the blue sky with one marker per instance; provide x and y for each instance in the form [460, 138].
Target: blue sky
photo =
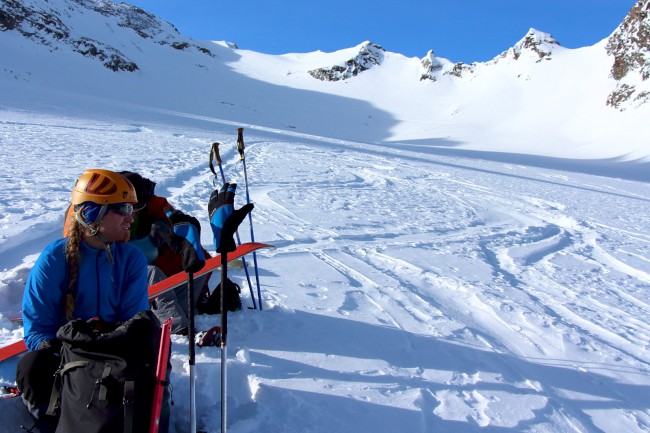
[459, 30]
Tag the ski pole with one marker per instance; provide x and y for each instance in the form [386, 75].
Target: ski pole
[224, 334]
[191, 336]
[240, 149]
[214, 154]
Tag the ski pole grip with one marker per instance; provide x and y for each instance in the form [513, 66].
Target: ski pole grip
[215, 151]
[240, 142]
[214, 154]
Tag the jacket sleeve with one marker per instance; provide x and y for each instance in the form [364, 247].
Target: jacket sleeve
[44, 297]
[135, 296]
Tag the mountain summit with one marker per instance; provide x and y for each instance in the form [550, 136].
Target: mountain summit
[536, 45]
[369, 55]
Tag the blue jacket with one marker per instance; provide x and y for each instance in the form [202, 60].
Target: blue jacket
[111, 292]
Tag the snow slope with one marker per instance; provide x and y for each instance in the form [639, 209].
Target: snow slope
[444, 262]
[410, 290]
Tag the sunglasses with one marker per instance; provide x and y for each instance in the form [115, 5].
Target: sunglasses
[124, 209]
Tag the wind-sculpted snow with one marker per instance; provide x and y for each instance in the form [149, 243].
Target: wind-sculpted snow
[413, 289]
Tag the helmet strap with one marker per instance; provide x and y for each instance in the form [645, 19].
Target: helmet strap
[93, 228]
[107, 248]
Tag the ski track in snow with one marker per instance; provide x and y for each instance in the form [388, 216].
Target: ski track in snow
[408, 291]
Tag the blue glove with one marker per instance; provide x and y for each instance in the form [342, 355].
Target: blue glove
[220, 207]
[224, 219]
[186, 240]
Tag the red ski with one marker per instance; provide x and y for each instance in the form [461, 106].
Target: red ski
[211, 264]
[12, 350]
[160, 287]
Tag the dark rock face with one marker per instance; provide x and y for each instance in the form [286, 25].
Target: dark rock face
[46, 25]
[630, 47]
[537, 45]
[369, 55]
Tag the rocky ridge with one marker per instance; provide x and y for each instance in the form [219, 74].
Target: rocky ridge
[535, 45]
[59, 25]
[630, 47]
[370, 55]
[46, 25]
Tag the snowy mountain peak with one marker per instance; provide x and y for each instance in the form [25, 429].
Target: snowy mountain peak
[431, 66]
[630, 46]
[69, 25]
[368, 56]
[434, 67]
[534, 45]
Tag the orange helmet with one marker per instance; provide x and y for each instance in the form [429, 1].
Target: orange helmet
[103, 187]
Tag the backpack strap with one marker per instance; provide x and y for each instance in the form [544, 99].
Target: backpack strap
[128, 402]
[103, 390]
[71, 366]
[55, 396]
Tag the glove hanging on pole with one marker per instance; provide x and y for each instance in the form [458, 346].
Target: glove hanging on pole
[214, 155]
[224, 219]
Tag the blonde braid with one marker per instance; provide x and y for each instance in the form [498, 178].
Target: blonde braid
[72, 256]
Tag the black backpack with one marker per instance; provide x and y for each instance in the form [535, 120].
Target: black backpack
[107, 375]
[211, 304]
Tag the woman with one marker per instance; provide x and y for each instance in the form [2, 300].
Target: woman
[93, 273]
